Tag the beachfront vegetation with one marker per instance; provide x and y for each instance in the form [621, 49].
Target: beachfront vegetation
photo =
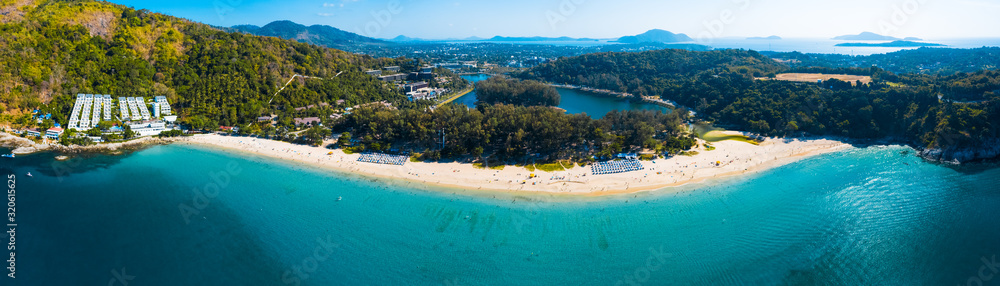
[722, 87]
[171, 133]
[513, 133]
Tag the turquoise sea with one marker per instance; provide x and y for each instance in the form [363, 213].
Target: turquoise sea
[186, 215]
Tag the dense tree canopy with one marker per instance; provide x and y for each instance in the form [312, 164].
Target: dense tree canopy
[503, 90]
[515, 132]
[729, 92]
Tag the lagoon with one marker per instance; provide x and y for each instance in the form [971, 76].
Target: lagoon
[577, 101]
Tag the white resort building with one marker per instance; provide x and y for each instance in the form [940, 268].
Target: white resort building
[148, 128]
[91, 109]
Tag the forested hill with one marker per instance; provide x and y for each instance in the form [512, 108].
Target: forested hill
[933, 61]
[52, 50]
[637, 73]
[723, 86]
[320, 35]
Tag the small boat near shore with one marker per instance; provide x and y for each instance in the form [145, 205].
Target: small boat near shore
[29, 174]
[11, 155]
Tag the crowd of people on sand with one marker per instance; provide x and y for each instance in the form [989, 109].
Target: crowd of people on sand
[616, 167]
[379, 158]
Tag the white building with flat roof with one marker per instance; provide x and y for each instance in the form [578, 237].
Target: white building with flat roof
[123, 108]
[156, 110]
[143, 109]
[148, 128]
[107, 107]
[164, 105]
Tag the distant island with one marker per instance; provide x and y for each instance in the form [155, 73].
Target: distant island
[893, 44]
[912, 39]
[405, 39]
[765, 38]
[866, 36]
[402, 38]
[655, 36]
[539, 39]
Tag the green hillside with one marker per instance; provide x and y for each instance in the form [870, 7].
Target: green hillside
[52, 50]
[320, 35]
[731, 87]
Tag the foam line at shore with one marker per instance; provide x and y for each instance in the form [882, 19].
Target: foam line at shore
[734, 158]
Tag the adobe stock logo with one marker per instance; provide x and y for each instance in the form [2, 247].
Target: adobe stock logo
[900, 16]
[381, 20]
[715, 28]
[566, 9]
[223, 7]
[989, 270]
[654, 262]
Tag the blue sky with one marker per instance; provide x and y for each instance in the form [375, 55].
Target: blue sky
[438, 19]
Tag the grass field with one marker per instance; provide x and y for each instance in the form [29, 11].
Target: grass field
[712, 134]
[813, 77]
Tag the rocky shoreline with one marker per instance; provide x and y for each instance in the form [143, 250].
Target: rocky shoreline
[23, 146]
[988, 151]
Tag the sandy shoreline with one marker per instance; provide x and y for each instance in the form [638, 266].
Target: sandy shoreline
[736, 158]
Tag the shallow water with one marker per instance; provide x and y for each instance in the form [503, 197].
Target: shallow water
[186, 215]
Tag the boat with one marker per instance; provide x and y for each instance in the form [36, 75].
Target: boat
[11, 155]
[340, 198]
[29, 174]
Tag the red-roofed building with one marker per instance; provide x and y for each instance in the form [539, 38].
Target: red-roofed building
[54, 133]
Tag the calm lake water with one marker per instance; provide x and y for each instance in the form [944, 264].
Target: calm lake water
[575, 101]
[185, 215]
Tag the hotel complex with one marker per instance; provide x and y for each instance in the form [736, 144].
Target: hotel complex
[91, 109]
[88, 110]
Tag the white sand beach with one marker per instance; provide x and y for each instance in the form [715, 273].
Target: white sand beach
[734, 158]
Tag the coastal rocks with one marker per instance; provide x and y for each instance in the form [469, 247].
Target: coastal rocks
[26, 150]
[24, 146]
[988, 150]
[21, 145]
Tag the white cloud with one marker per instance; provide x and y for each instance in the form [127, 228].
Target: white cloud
[324, 14]
[341, 4]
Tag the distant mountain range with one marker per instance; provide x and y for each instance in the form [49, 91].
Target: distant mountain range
[320, 35]
[405, 39]
[651, 36]
[893, 44]
[328, 36]
[539, 39]
[869, 36]
[866, 36]
[765, 38]
[655, 36]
